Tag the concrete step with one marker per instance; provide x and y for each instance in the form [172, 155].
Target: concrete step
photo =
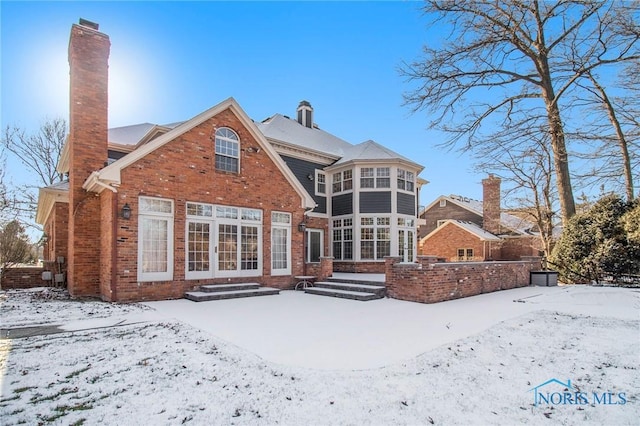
[358, 287]
[203, 296]
[210, 288]
[354, 280]
[344, 294]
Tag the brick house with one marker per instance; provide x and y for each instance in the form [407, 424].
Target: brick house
[151, 211]
[461, 229]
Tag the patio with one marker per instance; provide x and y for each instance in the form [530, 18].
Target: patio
[317, 332]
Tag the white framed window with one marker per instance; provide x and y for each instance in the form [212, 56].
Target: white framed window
[313, 245]
[342, 239]
[383, 177]
[321, 183]
[443, 203]
[406, 180]
[366, 177]
[337, 182]
[378, 177]
[227, 150]
[155, 239]
[342, 181]
[375, 238]
[465, 254]
[280, 243]
[347, 180]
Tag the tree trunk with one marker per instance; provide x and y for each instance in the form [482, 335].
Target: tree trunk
[561, 163]
[622, 141]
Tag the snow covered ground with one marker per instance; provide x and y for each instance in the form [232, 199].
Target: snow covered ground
[297, 359]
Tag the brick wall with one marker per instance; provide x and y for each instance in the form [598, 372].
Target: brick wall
[446, 242]
[428, 281]
[516, 248]
[26, 277]
[183, 171]
[359, 267]
[321, 270]
[57, 229]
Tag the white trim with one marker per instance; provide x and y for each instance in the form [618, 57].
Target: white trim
[287, 228]
[112, 173]
[156, 276]
[315, 183]
[47, 198]
[308, 248]
[196, 275]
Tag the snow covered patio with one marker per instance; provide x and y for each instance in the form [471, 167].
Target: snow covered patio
[317, 332]
[299, 359]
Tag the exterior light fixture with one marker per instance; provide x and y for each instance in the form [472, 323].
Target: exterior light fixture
[302, 226]
[310, 176]
[126, 211]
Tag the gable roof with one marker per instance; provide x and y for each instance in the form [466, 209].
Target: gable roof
[470, 227]
[48, 196]
[509, 221]
[109, 177]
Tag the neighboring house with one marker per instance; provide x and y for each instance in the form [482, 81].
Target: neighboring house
[151, 211]
[461, 229]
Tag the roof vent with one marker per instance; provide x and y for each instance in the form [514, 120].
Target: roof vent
[89, 24]
[305, 114]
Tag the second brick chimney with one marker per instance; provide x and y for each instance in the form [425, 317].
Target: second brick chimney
[491, 204]
[88, 138]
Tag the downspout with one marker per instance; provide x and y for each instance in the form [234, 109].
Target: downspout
[114, 255]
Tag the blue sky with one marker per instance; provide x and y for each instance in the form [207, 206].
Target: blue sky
[172, 60]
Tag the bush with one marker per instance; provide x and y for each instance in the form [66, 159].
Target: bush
[602, 241]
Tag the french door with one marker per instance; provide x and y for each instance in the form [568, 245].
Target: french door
[406, 244]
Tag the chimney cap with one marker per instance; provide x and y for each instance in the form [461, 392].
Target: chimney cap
[304, 103]
[89, 24]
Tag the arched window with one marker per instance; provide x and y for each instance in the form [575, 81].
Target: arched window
[227, 150]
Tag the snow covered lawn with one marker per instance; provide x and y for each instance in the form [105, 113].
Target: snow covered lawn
[298, 359]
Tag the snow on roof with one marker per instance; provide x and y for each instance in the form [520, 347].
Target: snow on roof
[129, 135]
[132, 135]
[286, 130]
[59, 186]
[282, 129]
[510, 221]
[371, 150]
[475, 229]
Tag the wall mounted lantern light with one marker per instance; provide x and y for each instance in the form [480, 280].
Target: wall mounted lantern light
[302, 226]
[126, 211]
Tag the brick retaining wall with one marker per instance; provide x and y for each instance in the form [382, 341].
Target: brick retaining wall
[24, 277]
[430, 281]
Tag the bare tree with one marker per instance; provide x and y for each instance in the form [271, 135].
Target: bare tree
[507, 58]
[39, 153]
[14, 245]
[611, 153]
[527, 172]
[4, 195]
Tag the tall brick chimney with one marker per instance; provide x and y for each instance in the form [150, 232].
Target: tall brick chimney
[88, 105]
[491, 204]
